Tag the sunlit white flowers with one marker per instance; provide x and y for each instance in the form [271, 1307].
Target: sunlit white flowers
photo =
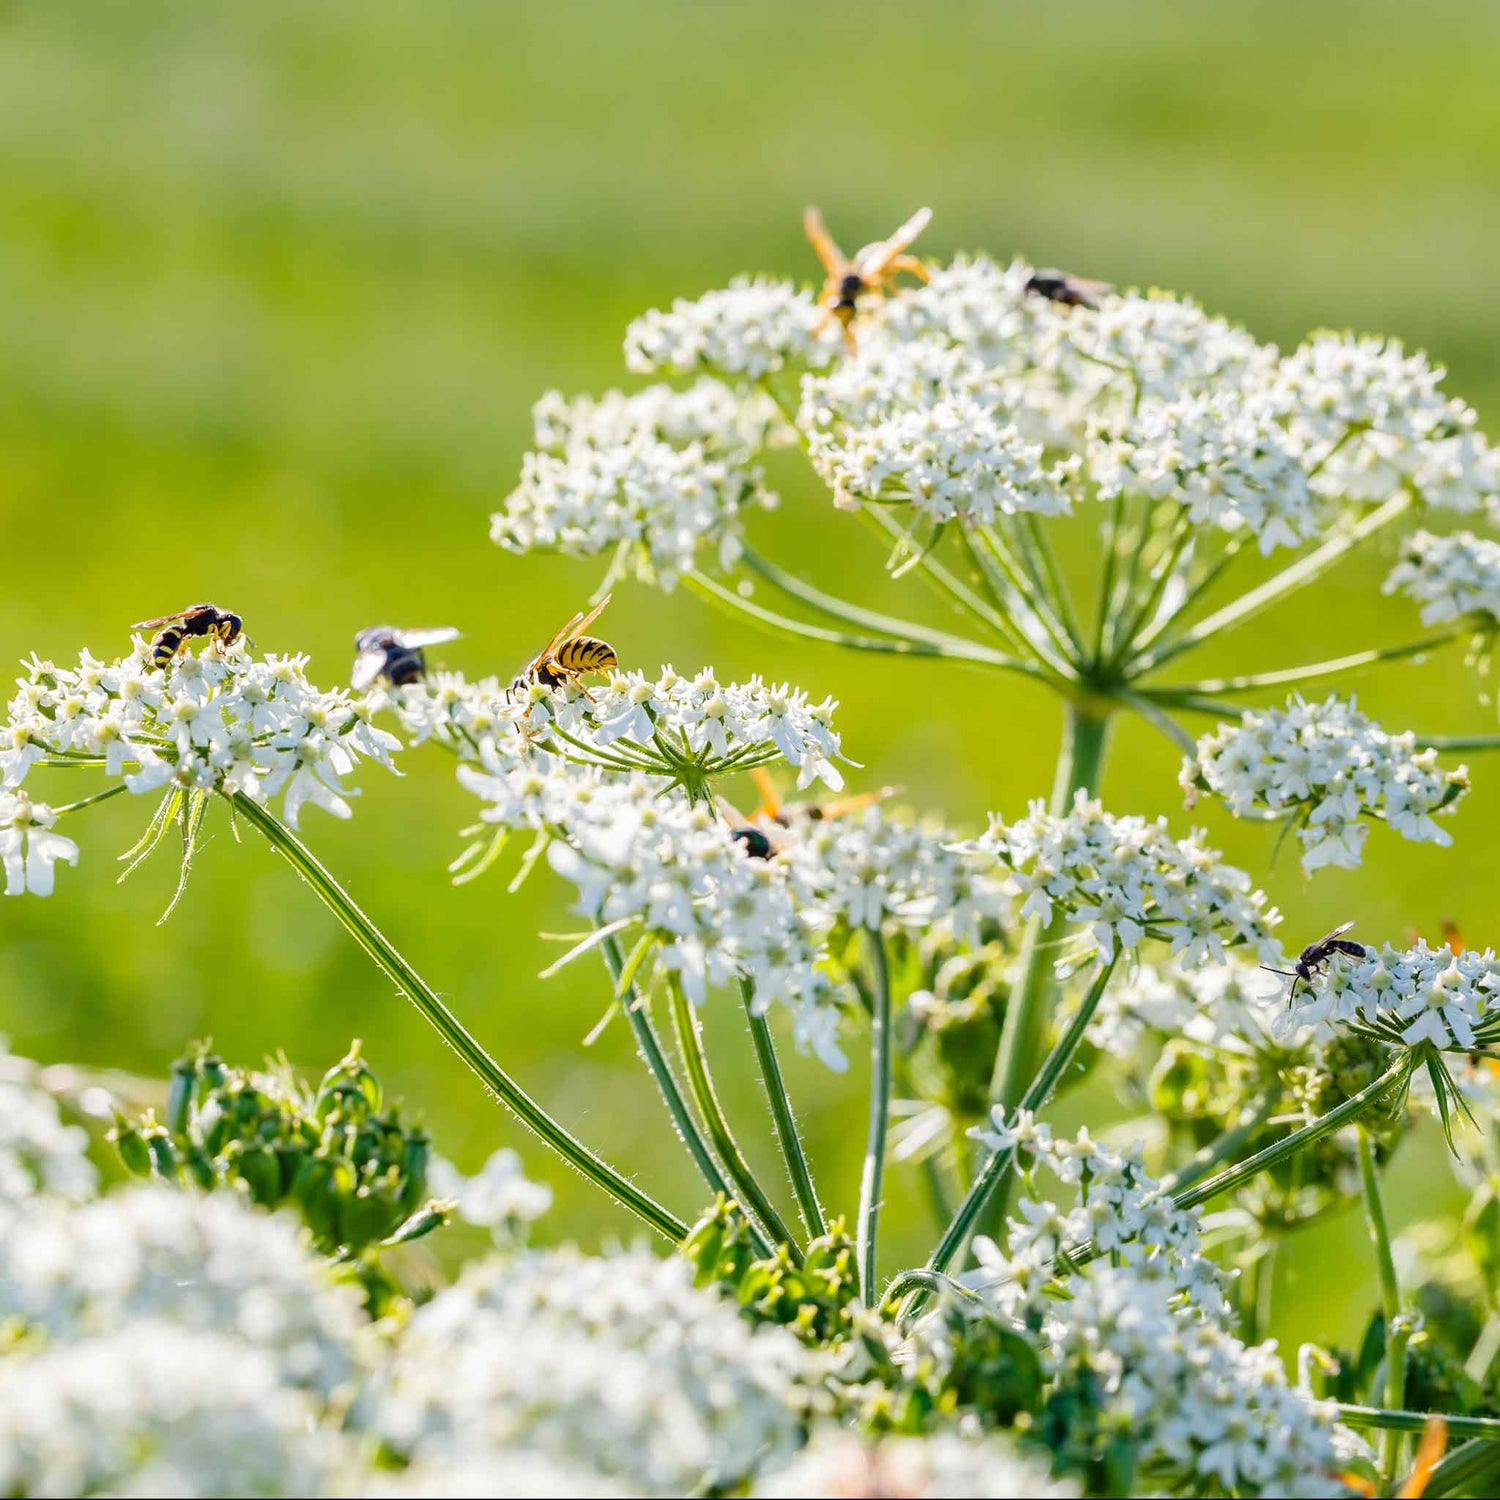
[1327, 767]
[616, 1363]
[1408, 995]
[28, 847]
[40, 1156]
[1127, 879]
[1451, 577]
[218, 721]
[751, 329]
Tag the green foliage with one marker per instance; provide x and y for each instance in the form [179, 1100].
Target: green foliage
[349, 1166]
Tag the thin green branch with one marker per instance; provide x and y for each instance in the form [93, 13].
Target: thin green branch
[1389, 1419]
[1291, 578]
[808, 1206]
[1397, 1329]
[379, 948]
[82, 802]
[873, 1174]
[752, 1196]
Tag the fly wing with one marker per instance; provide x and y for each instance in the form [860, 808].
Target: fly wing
[161, 620]
[1338, 931]
[431, 637]
[366, 671]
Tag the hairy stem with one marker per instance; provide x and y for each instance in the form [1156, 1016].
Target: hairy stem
[873, 1174]
[379, 948]
[752, 1196]
[787, 1134]
[1397, 1333]
[1395, 1420]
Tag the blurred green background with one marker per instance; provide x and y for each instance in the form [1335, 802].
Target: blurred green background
[279, 282]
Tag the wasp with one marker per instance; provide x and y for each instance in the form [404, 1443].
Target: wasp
[1069, 290]
[174, 631]
[1316, 957]
[868, 271]
[395, 655]
[751, 831]
[570, 655]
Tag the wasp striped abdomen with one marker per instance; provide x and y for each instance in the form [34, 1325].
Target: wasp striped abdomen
[174, 631]
[167, 644]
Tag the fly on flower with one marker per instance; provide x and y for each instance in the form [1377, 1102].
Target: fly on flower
[1316, 957]
[1068, 290]
[174, 631]
[395, 655]
[868, 271]
[570, 655]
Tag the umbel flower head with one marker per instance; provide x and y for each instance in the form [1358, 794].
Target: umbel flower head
[1451, 577]
[219, 721]
[654, 477]
[1128, 879]
[28, 846]
[1407, 996]
[1326, 767]
[1143, 1342]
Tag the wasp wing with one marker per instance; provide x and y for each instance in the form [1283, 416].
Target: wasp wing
[367, 669]
[908, 231]
[823, 242]
[1338, 931]
[412, 639]
[161, 620]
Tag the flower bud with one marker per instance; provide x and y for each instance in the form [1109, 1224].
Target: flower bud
[180, 1094]
[352, 1072]
[131, 1145]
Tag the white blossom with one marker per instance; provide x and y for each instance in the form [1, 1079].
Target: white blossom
[28, 846]
[1326, 766]
[617, 1364]
[1127, 879]
[748, 330]
[40, 1156]
[1144, 1337]
[499, 1197]
[1451, 577]
[1406, 995]
[169, 1257]
[941, 1465]
[156, 1408]
[219, 721]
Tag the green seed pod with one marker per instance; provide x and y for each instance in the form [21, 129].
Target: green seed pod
[367, 1215]
[318, 1190]
[199, 1166]
[417, 1153]
[214, 1125]
[353, 1072]
[432, 1215]
[164, 1160]
[180, 1095]
[212, 1074]
[258, 1169]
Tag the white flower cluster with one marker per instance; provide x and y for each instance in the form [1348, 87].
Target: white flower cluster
[1216, 454]
[1127, 879]
[1406, 995]
[40, 1156]
[1327, 766]
[499, 1197]
[942, 1466]
[165, 1256]
[617, 1364]
[871, 867]
[1145, 1336]
[751, 329]
[656, 475]
[1451, 577]
[1369, 419]
[923, 425]
[715, 912]
[219, 721]
[687, 729]
[28, 847]
[159, 1409]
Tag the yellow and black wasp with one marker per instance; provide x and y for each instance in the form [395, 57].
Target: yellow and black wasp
[867, 272]
[396, 655]
[173, 632]
[570, 655]
[776, 814]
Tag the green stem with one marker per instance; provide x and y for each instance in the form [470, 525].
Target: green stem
[1036, 1096]
[82, 802]
[966, 651]
[1395, 1420]
[1397, 1333]
[920, 1279]
[648, 1044]
[1313, 566]
[1308, 673]
[1222, 1149]
[1460, 741]
[379, 948]
[695, 1059]
[811, 1210]
[873, 1174]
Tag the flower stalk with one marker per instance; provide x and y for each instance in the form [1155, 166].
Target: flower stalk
[1397, 1326]
[873, 1174]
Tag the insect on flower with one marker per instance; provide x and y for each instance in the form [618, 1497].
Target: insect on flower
[751, 831]
[570, 655]
[174, 631]
[1068, 290]
[1317, 956]
[396, 655]
[868, 271]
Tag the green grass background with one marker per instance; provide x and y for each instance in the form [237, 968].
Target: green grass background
[279, 282]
